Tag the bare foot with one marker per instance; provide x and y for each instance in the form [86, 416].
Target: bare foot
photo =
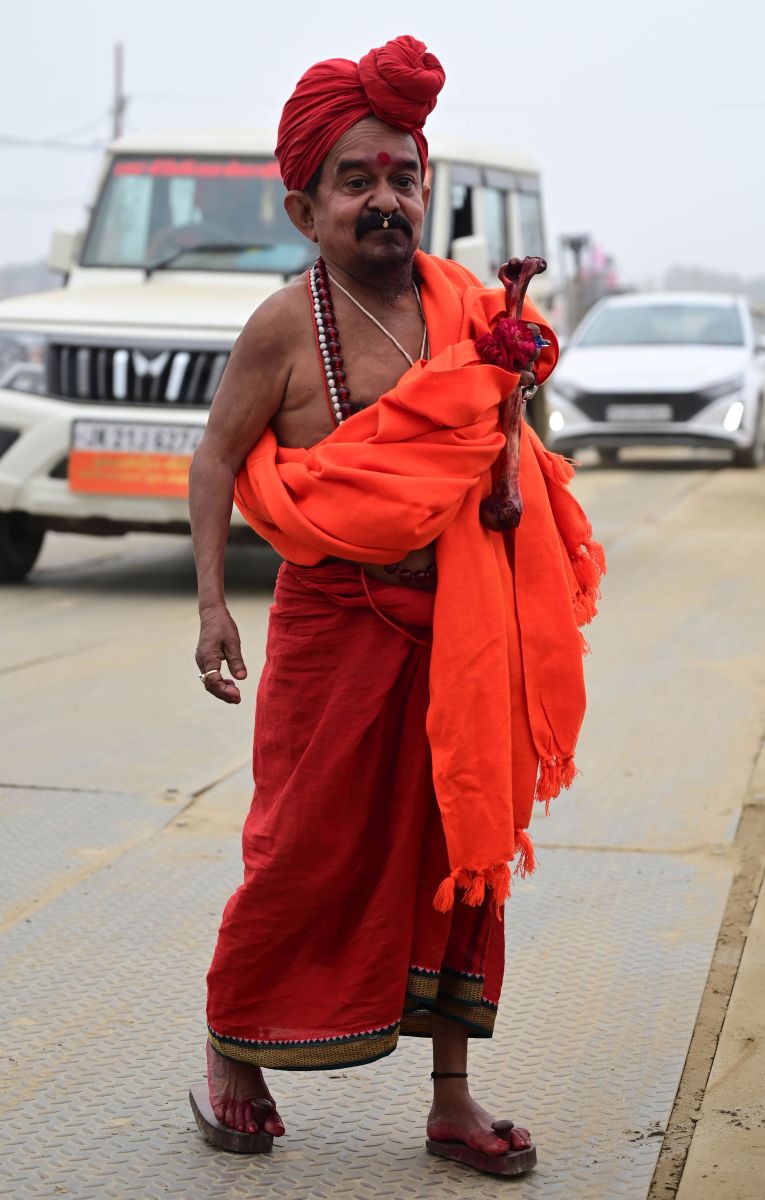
[456, 1117]
[233, 1087]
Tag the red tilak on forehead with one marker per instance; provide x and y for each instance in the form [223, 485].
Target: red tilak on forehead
[368, 163]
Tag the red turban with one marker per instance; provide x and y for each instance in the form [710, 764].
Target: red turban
[397, 83]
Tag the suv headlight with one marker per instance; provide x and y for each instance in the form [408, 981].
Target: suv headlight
[726, 388]
[22, 362]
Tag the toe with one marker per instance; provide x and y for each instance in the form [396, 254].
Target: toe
[520, 1139]
[249, 1118]
[243, 1115]
[488, 1142]
[273, 1124]
[495, 1145]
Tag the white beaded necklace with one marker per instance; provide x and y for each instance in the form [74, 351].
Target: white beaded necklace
[380, 325]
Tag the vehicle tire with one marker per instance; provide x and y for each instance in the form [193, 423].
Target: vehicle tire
[20, 544]
[754, 455]
[608, 455]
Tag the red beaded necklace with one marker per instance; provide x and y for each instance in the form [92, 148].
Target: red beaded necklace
[328, 341]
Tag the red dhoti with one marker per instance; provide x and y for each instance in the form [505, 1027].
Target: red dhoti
[331, 947]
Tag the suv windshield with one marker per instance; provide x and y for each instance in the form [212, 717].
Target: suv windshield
[153, 209]
[664, 325]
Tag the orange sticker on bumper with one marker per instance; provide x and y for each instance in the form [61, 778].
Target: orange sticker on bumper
[111, 472]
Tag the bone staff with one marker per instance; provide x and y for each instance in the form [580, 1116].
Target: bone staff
[502, 509]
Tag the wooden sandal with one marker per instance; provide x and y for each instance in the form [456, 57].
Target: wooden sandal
[515, 1162]
[221, 1136]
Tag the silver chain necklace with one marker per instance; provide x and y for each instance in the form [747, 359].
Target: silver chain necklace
[380, 325]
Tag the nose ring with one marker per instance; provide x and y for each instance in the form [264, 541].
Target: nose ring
[385, 218]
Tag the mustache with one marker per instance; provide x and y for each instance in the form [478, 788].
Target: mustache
[370, 221]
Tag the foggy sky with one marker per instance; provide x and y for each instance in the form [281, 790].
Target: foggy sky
[647, 120]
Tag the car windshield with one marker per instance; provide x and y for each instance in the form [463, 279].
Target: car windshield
[664, 325]
[154, 209]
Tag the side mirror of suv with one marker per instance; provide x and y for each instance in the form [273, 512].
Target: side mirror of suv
[63, 251]
[473, 252]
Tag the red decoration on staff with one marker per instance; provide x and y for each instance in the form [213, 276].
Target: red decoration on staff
[510, 345]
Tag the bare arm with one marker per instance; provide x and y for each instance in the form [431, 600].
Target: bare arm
[250, 393]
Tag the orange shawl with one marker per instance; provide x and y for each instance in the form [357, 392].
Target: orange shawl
[413, 468]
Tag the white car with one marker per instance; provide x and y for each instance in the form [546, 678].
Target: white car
[662, 369]
[105, 384]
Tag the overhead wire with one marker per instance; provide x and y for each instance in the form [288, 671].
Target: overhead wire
[84, 127]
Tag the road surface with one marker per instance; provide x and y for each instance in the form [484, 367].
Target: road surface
[123, 791]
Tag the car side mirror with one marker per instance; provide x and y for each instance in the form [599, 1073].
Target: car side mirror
[473, 252]
[64, 248]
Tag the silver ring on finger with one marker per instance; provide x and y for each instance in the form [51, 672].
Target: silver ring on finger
[206, 674]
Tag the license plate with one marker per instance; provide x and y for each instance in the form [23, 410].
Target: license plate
[639, 412]
[129, 458]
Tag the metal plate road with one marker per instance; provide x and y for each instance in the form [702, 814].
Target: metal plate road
[104, 1035]
[124, 790]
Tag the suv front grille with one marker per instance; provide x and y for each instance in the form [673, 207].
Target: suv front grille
[684, 405]
[140, 375]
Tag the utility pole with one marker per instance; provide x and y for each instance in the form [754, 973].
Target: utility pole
[120, 99]
[576, 243]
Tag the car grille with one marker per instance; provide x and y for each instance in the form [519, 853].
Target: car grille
[136, 375]
[684, 405]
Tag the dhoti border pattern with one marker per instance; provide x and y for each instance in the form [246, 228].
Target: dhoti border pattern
[446, 993]
[306, 1054]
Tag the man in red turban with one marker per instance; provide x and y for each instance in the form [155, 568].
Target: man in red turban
[423, 672]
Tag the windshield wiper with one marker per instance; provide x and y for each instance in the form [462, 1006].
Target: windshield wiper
[203, 248]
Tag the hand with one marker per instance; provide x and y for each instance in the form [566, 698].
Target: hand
[534, 332]
[219, 642]
[528, 379]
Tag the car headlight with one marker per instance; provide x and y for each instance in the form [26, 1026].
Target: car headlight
[726, 388]
[22, 362]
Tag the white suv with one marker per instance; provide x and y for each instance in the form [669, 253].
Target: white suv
[662, 369]
[105, 384]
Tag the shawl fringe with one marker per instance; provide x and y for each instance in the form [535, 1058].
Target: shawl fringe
[587, 558]
[474, 884]
[558, 467]
[524, 847]
[589, 566]
[554, 774]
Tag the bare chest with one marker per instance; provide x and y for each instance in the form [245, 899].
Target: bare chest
[372, 364]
